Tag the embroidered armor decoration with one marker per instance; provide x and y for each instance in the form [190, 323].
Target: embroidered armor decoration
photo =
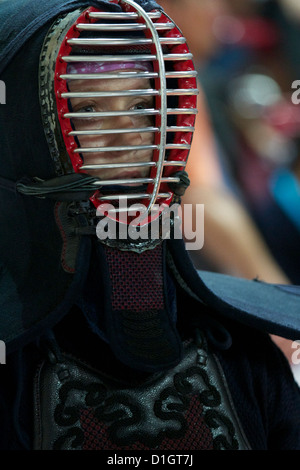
[187, 408]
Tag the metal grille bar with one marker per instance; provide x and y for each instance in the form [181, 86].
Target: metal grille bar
[122, 27]
[116, 148]
[105, 166]
[130, 147]
[168, 179]
[122, 41]
[121, 16]
[146, 112]
[137, 112]
[131, 131]
[110, 76]
[149, 92]
[110, 94]
[99, 58]
[117, 197]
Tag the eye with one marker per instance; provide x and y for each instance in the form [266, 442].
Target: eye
[86, 120]
[140, 106]
[85, 109]
[145, 103]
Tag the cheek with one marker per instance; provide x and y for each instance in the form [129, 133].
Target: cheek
[147, 137]
[87, 124]
[91, 141]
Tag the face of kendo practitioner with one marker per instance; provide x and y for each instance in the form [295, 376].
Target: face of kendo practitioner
[128, 122]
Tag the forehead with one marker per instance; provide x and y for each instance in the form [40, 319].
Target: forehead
[109, 85]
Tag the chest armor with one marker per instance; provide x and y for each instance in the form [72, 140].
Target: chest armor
[186, 408]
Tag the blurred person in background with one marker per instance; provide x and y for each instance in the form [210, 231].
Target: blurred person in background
[246, 254]
[236, 148]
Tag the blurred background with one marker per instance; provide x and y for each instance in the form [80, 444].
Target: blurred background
[244, 164]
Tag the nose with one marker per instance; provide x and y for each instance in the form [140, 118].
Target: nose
[129, 137]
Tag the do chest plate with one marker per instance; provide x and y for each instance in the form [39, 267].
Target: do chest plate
[187, 408]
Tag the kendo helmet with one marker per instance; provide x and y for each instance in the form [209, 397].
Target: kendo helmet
[137, 154]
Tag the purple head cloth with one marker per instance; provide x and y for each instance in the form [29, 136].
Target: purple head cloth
[100, 67]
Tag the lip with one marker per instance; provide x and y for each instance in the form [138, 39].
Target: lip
[129, 175]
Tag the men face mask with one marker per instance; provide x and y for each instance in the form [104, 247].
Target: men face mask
[125, 95]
